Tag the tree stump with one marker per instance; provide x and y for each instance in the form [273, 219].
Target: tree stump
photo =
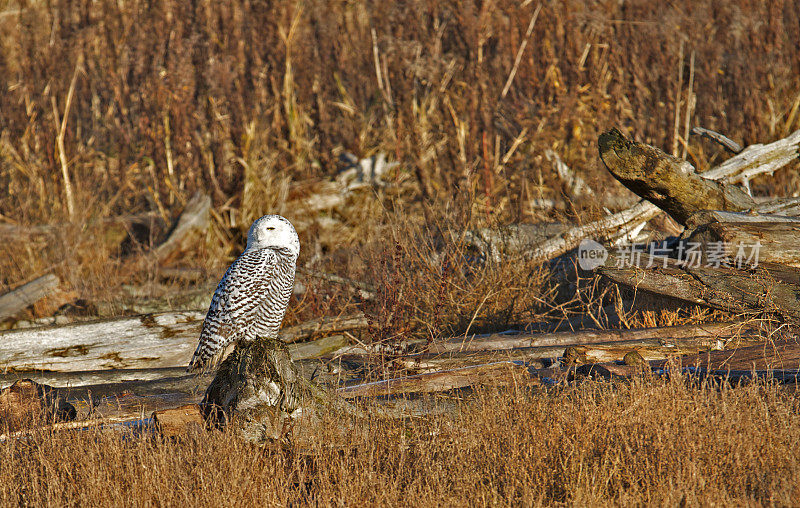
[256, 390]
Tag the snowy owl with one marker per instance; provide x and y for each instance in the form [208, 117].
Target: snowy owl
[252, 296]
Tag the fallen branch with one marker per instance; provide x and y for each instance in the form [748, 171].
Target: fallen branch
[500, 373]
[498, 341]
[756, 160]
[18, 299]
[729, 144]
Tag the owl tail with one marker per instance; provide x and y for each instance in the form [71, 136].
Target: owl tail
[206, 358]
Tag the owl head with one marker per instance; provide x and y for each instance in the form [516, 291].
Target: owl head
[273, 231]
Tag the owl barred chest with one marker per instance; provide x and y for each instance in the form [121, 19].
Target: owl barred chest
[251, 299]
[274, 297]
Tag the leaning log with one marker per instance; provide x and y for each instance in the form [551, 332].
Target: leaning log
[753, 161]
[193, 220]
[668, 182]
[16, 300]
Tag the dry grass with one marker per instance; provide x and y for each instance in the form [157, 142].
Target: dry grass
[141, 103]
[651, 442]
[254, 105]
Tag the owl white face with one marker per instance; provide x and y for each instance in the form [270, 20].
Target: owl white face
[273, 231]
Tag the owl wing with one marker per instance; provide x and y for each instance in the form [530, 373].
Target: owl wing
[235, 300]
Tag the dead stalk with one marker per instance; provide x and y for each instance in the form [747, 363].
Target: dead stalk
[61, 125]
[520, 51]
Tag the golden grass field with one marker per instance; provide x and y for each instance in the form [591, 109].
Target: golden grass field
[111, 109]
[649, 442]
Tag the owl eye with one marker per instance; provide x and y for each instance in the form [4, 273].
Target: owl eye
[271, 228]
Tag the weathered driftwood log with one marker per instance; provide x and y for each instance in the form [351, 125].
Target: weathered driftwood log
[770, 288]
[767, 242]
[16, 300]
[495, 374]
[781, 355]
[194, 219]
[501, 341]
[666, 181]
[675, 187]
[148, 341]
[648, 348]
[756, 160]
[753, 161]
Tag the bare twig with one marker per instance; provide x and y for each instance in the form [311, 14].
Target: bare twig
[729, 144]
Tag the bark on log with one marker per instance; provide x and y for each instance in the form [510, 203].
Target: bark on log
[783, 355]
[16, 300]
[648, 348]
[767, 288]
[778, 242]
[669, 183]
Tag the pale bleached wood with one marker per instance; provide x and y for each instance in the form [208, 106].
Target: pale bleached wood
[503, 341]
[16, 300]
[626, 220]
[752, 161]
[147, 341]
[756, 160]
[193, 220]
[648, 348]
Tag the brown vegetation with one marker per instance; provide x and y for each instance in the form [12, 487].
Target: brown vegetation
[254, 104]
[112, 109]
[650, 442]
